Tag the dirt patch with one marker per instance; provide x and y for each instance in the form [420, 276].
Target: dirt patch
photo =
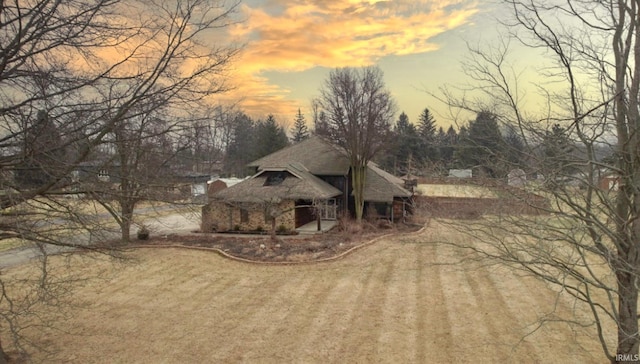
[284, 248]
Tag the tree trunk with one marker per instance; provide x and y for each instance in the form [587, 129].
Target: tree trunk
[358, 175]
[273, 228]
[125, 225]
[4, 358]
[628, 338]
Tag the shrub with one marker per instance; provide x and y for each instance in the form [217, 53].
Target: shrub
[349, 226]
[282, 229]
[143, 233]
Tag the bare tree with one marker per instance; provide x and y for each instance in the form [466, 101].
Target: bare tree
[360, 111]
[72, 75]
[136, 169]
[588, 244]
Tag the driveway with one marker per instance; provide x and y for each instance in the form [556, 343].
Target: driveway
[171, 223]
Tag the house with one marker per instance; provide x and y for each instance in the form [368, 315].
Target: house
[609, 182]
[217, 184]
[187, 183]
[300, 184]
[517, 178]
[460, 173]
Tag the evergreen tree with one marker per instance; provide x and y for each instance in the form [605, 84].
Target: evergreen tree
[557, 155]
[269, 137]
[42, 156]
[447, 145]
[406, 150]
[427, 125]
[240, 148]
[427, 132]
[441, 136]
[484, 147]
[299, 131]
[516, 155]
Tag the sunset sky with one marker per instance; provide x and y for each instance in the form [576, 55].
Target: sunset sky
[292, 45]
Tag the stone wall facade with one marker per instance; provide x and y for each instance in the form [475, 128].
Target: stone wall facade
[220, 216]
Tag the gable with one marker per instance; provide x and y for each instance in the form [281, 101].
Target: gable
[316, 154]
[291, 183]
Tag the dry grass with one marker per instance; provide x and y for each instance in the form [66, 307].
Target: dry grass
[453, 190]
[403, 299]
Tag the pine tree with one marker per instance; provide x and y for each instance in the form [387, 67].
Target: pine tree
[42, 156]
[557, 159]
[240, 148]
[428, 140]
[299, 131]
[484, 147]
[269, 137]
[516, 155]
[406, 146]
[447, 144]
[427, 126]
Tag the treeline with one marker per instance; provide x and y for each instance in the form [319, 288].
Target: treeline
[490, 148]
[230, 139]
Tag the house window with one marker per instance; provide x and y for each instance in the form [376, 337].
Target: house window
[267, 217]
[274, 179]
[103, 175]
[244, 215]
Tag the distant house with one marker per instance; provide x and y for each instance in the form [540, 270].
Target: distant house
[96, 171]
[298, 185]
[460, 173]
[165, 184]
[517, 178]
[218, 184]
[609, 182]
[193, 184]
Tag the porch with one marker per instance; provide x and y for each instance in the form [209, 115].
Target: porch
[311, 228]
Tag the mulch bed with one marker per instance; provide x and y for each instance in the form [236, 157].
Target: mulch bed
[262, 248]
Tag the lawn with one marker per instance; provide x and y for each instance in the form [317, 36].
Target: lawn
[402, 299]
[453, 190]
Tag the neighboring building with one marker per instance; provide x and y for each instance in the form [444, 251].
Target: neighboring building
[299, 184]
[460, 173]
[609, 182]
[165, 183]
[517, 178]
[218, 184]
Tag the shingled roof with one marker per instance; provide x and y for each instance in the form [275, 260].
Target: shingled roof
[269, 185]
[381, 186]
[319, 156]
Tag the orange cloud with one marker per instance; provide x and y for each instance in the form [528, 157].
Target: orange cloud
[297, 35]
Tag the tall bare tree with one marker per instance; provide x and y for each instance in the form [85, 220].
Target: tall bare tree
[360, 111]
[589, 243]
[136, 167]
[85, 69]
